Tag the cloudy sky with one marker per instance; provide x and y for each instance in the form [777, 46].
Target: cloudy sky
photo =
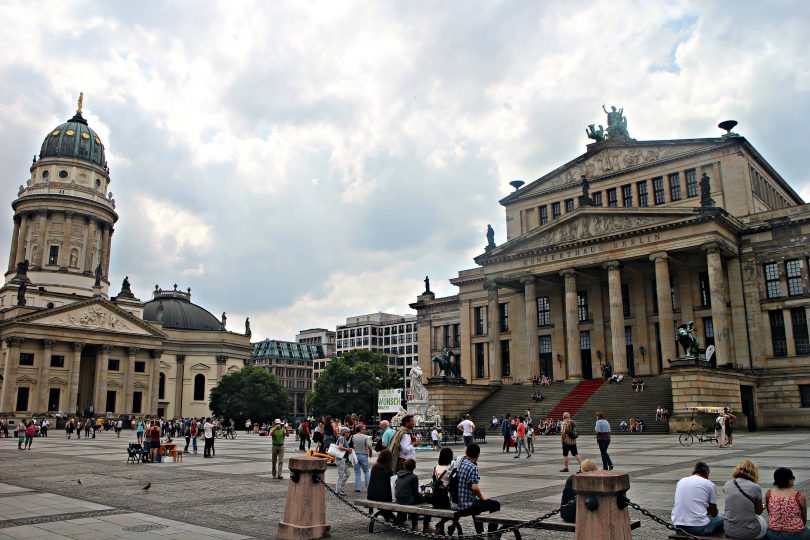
[306, 161]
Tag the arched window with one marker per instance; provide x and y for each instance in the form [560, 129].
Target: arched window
[199, 387]
[162, 386]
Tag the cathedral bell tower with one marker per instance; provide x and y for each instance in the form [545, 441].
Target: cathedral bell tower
[63, 221]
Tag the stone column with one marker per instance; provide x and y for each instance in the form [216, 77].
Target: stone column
[105, 248]
[617, 337]
[180, 369]
[154, 381]
[717, 288]
[41, 238]
[572, 326]
[493, 333]
[88, 247]
[75, 367]
[221, 367]
[67, 232]
[101, 387]
[41, 403]
[15, 239]
[530, 300]
[10, 374]
[666, 319]
[129, 365]
[24, 222]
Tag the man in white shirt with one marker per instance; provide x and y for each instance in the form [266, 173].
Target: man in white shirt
[695, 509]
[402, 447]
[467, 428]
[434, 439]
[208, 433]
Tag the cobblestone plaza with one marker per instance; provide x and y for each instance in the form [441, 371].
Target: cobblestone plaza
[234, 496]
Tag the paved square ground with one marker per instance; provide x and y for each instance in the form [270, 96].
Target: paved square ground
[233, 496]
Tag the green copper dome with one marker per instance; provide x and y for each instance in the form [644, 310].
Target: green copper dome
[74, 139]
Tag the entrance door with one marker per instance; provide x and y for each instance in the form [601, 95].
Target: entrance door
[585, 352]
[747, 398]
[87, 380]
[546, 365]
[658, 348]
[628, 339]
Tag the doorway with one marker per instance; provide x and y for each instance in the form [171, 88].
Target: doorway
[628, 339]
[585, 352]
[87, 381]
[546, 365]
[748, 409]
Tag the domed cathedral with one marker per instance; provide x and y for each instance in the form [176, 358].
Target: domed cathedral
[67, 346]
[684, 262]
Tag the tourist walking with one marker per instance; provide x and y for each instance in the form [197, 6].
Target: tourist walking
[329, 432]
[743, 504]
[30, 431]
[342, 462]
[603, 440]
[467, 429]
[195, 434]
[506, 433]
[569, 434]
[520, 435]
[277, 434]
[361, 443]
[787, 508]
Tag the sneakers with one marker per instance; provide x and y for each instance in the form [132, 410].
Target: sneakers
[563, 470]
[527, 457]
[516, 457]
[430, 529]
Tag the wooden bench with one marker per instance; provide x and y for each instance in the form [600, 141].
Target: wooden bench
[509, 518]
[414, 512]
[717, 536]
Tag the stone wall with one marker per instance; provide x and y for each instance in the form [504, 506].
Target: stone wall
[453, 400]
[694, 386]
[778, 398]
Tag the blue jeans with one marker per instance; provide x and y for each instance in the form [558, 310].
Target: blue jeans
[362, 463]
[715, 522]
[607, 463]
[779, 535]
[194, 444]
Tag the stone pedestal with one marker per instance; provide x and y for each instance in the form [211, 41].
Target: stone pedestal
[305, 510]
[455, 400]
[418, 407]
[599, 516]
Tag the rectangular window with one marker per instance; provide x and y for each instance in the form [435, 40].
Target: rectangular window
[691, 183]
[658, 190]
[778, 339]
[57, 360]
[708, 330]
[555, 210]
[479, 320]
[804, 395]
[597, 198]
[505, 359]
[480, 361]
[627, 196]
[705, 290]
[675, 187]
[26, 359]
[798, 319]
[612, 201]
[543, 311]
[22, 398]
[569, 205]
[643, 196]
[626, 299]
[456, 335]
[53, 399]
[137, 398]
[53, 255]
[140, 367]
[582, 305]
[111, 394]
[504, 316]
[543, 214]
[772, 288]
[113, 365]
[628, 336]
[545, 344]
[448, 337]
[585, 340]
[794, 277]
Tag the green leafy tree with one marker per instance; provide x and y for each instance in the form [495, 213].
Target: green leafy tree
[365, 371]
[252, 392]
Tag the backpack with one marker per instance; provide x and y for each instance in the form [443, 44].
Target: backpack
[452, 487]
[441, 496]
[572, 430]
[717, 425]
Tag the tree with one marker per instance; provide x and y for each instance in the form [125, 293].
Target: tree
[253, 392]
[365, 371]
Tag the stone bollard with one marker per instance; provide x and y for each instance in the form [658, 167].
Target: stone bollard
[599, 513]
[305, 511]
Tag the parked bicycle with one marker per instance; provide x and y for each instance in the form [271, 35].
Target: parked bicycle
[226, 433]
[688, 438]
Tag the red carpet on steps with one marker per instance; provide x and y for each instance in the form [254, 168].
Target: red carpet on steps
[576, 399]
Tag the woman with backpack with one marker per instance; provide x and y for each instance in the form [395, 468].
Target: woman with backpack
[440, 484]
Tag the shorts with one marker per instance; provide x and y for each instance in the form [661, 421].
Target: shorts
[569, 448]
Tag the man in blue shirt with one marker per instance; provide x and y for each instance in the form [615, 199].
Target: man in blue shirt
[387, 434]
[470, 501]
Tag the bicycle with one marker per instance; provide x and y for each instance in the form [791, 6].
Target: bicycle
[687, 438]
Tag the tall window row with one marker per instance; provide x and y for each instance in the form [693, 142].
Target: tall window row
[793, 278]
[798, 325]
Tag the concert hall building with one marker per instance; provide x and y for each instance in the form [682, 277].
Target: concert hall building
[607, 271]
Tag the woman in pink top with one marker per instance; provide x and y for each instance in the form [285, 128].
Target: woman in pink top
[787, 508]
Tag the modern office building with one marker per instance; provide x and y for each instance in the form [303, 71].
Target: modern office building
[292, 364]
[323, 337]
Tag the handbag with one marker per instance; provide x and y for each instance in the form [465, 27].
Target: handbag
[352, 458]
[335, 451]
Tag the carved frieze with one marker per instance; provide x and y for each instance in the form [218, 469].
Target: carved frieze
[592, 226]
[610, 160]
[93, 317]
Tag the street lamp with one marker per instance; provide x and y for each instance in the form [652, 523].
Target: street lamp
[348, 390]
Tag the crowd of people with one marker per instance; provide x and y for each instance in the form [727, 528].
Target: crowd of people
[541, 380]
[661, 414]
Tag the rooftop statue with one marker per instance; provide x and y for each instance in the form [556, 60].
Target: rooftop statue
[586, 192]
[99, 272]
[706, 191]
[224, 320]
[21, 293]
[248, 333]
[22, 268]
[595, 134]
[490, 237]
[427, 285]
[617, 123]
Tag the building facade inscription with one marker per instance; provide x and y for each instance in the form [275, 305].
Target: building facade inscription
[564, 255]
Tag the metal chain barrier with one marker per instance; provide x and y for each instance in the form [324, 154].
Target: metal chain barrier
[364, 512]
[660, 521]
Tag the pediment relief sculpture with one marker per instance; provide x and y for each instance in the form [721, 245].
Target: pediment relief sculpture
[114, 384]
[200, 367]
[57, 380]
[139, 384]
[26, 379]
[92, 317]
[592, 226]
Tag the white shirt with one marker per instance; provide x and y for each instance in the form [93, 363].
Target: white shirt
[434, 435]
[467, 427]
[208, 428]
[693, 495]
[406, 449]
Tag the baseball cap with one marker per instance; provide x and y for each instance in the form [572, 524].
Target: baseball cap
[277, 421]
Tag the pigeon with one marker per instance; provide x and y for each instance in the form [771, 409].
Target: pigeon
[79, 481]
[147, 486]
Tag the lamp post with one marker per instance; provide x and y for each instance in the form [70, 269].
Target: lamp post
[348, 390]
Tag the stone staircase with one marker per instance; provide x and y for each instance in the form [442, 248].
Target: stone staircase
[575, 400]
[619, 401]
[515, 399]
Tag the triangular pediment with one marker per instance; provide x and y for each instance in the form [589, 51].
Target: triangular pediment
[57, 380]
[589, 224]
[200, 367]
[233, 369]
[139, 384]
[26, 379]
[610, 159]
[113, 384]
[95, 315]
[165, 365]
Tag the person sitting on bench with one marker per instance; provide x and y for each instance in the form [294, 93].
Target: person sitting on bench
[406, 491]
[569, 513]
[379, 486]
[695, 509]
[469, 500]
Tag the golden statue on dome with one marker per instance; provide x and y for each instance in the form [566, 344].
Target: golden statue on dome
[81, 101]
